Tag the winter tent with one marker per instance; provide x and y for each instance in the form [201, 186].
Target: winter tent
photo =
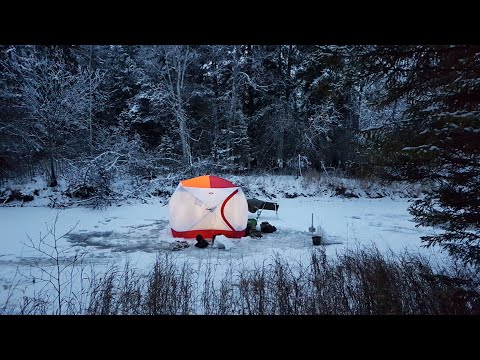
[208, 205]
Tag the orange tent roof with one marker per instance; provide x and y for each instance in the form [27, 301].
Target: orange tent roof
[207, 181]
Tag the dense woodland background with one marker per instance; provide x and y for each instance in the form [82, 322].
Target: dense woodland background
[93, 113]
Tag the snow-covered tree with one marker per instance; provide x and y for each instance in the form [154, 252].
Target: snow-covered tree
[14, 142]
[440, 141]
[54, 96]
[270, 103]
[224, 81]
[165, 90]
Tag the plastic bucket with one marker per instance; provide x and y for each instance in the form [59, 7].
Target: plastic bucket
[317, 240]
[252, 223]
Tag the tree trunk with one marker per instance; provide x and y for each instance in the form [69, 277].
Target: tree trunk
[216, 117]
[176, 69]
[90, 143]
[53, 177]
[184, 135]
[250, 94]
[280, 146]
[51, 142]
[233, 104]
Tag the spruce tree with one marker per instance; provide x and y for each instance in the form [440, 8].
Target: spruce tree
[441, 87]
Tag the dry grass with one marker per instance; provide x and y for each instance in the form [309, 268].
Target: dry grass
[361, 281]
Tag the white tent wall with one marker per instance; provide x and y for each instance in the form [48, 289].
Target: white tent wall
[201, 209]
[185, 209]
[236, 211]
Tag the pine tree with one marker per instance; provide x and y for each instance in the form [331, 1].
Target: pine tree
[330, 106]
[270, 103]
[441, 87]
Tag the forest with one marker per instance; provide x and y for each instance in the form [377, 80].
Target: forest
[92, 114]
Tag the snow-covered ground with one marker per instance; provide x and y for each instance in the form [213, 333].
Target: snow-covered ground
[137, 231]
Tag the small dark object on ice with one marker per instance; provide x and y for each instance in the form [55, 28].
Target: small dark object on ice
[201, 242]
[266, 227]
[179, 245]
[317, 240]
[255, 234]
